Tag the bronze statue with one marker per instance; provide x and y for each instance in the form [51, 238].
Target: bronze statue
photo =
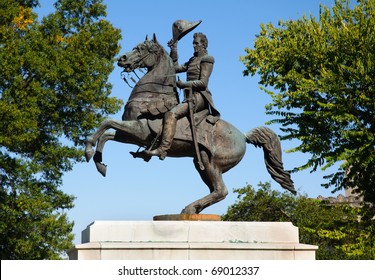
[197, 131]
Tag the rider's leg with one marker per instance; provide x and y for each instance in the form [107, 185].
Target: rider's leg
[169, 124]
[169, 129]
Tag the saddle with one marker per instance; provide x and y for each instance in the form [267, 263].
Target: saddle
[204, 123]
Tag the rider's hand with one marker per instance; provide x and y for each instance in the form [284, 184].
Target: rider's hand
[181, 84]
[172, 44]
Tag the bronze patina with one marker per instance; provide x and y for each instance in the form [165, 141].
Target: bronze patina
[155, 119]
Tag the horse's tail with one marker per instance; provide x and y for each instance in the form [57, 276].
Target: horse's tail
[269, 141]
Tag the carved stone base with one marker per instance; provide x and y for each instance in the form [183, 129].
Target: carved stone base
[190, 240]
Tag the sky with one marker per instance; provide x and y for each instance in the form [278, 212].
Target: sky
[136, 190]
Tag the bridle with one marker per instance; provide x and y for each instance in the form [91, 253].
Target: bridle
[137, 64]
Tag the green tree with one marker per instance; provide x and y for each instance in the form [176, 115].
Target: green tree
[53, 92]
[320, 74]
[340, 230]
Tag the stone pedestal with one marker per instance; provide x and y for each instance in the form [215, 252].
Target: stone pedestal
[190, 240]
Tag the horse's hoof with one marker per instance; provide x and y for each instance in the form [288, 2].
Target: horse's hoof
[102, 168]
[89, 153]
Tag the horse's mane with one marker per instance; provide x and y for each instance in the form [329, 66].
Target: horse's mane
[154, 47]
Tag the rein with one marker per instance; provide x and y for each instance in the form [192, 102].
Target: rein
[122, 74]
[137, 66]
[134, 81]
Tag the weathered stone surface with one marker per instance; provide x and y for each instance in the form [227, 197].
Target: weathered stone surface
[183, 240]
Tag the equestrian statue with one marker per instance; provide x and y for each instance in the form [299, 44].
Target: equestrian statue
[155, 120]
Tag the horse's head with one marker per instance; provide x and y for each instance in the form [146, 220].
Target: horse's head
[144, 55]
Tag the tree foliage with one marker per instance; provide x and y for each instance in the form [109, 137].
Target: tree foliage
[53, 92]
[340, 230]
[320, 74]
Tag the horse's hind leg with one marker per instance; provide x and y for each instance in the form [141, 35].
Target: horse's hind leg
[212, 177]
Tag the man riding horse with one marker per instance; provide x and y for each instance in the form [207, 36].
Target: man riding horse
[155, 94]
[198, 69]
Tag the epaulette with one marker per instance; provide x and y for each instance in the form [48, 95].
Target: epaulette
[208, 58]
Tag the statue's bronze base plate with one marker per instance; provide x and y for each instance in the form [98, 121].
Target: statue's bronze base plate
[188, 217]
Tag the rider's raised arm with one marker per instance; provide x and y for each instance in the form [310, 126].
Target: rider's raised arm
[173, 53]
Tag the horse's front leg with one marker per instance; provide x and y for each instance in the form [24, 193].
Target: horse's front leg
[98, 157]
[117, 136]
[91, 140]
[132, 132]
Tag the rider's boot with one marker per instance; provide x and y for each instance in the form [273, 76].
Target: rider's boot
[169, 129]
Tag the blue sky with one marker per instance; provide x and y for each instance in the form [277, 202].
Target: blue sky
[136, 190]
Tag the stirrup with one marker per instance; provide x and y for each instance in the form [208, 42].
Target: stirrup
[141, 154]
[162, 154]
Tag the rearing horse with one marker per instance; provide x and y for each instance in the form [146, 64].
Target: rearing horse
[221, 145]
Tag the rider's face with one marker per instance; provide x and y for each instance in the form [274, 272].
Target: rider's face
[197, 44]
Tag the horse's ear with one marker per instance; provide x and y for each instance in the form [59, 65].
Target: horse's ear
[146, 38]
[154, 38]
